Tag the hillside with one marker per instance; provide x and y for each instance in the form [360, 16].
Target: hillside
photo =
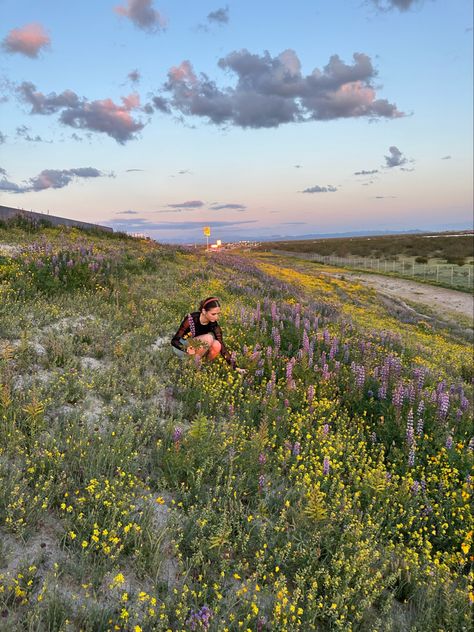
[327, 489]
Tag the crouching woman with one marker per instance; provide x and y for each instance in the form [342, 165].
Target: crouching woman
[200, 334]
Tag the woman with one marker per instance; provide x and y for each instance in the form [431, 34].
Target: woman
[202, 327]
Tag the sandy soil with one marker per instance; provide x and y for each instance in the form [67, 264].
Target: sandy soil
[439, 299]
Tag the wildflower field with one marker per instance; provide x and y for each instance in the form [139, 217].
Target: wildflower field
[328, 488]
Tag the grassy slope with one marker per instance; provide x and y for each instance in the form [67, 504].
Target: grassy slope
[136, 491]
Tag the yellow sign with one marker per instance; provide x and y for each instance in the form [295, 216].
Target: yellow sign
[207, 231]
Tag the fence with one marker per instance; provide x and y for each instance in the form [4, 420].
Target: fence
[444, 273]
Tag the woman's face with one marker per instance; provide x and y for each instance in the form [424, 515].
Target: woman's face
[213, 314]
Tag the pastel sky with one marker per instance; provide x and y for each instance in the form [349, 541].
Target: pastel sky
[258, 119]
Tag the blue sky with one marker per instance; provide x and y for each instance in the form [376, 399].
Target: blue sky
[256, 118]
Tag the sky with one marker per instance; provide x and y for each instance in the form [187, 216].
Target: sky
[259, 119]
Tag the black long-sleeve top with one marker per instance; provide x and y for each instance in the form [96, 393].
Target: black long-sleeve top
[191, 325]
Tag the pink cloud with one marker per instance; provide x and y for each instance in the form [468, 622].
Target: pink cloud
[105, 116]
[28, 40]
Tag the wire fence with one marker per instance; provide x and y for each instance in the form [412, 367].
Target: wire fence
[461, 277]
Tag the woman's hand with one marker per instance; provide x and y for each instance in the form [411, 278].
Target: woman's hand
[191, 351]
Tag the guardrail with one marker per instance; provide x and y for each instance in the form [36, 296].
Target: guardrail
[444, 273]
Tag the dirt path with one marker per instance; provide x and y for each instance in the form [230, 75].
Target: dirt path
[439, 299]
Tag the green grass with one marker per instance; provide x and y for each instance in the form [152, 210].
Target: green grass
[137, 490]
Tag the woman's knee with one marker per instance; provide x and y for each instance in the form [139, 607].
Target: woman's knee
[216, 346]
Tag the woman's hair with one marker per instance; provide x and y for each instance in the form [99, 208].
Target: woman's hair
[209, 303]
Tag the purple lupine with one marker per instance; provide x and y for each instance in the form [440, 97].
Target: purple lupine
[382, 393]
[177, 434]
[326, 466]
[287, 445]
[274, 311]
[323, 358]
[326, 336]
[286, 403]
[262, 459]
[325, 429]
[305, 341]
[296, 448]
[397, 397]
[409, 430]
[269, 388]
[470, 445]
[297, 321]
[411, 456]
[464, 405]
[310, 393]
[326, 372]
[421, 408]
[415, 488]
[419, 426]
[373, 437]
[257, 312]
[449, 442]
[200, 618]
[443, 405]
[410, 394]
[261, 483]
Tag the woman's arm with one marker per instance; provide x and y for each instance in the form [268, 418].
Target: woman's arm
[184, 329]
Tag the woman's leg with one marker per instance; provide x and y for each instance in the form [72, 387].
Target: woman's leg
[211, 349]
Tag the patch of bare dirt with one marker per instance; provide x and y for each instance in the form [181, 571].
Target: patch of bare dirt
[441, 300]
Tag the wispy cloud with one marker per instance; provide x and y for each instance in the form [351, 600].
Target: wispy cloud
[366, 173]
[187, 204]
[134, 76]
[23, 131]
[401, 5]
[127, 213]
[232, 207]
[319, 189]
[271, 91]
[446, 158]
[97, 116]
[220, 16]
[49, 179]
[28, 40]
[143, 224]
[143, 15]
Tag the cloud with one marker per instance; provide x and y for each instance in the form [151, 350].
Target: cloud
[385, 197]
[127, 213]
[401, 5]
[271, 91]
[3, 138]
[396, 158]
[140, 224]
[134, 76]
[28, 40]
[49, 179]
[235, 207]
[318, 189]
[446, 158]
[298, 166]
[188, 204]
[130, 170]
[221, 16]
[24, 132]
[365, 173]
[97, 116]
[143, 16]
